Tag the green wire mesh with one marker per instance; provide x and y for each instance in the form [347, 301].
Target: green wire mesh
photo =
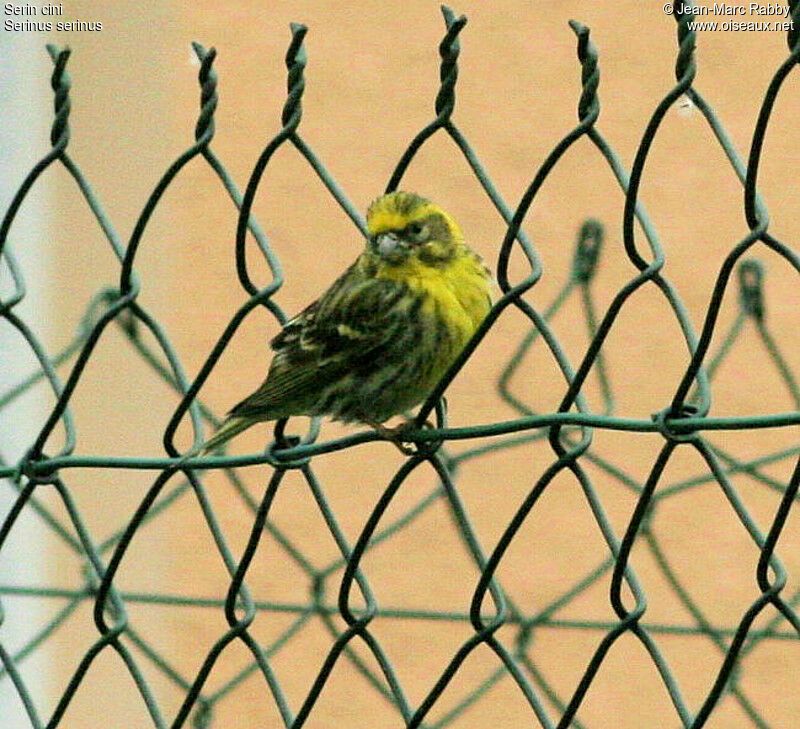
[683, 424]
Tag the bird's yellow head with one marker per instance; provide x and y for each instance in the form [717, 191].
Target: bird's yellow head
[406, 228]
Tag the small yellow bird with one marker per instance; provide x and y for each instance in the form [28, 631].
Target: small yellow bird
[380, 338]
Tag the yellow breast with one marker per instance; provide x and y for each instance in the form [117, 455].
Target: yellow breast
[457, 291]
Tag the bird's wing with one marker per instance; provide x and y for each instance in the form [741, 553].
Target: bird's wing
[340, 332]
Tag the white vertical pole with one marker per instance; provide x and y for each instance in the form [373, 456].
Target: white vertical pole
[24, 137]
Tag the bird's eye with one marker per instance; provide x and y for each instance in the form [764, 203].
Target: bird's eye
[417, 232]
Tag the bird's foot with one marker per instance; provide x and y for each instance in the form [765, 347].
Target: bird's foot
[395, 435]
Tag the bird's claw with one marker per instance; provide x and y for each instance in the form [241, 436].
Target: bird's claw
[395, 435]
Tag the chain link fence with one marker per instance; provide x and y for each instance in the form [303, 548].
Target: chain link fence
[684, 423]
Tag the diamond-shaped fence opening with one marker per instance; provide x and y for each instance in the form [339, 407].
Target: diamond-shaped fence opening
[524, 571]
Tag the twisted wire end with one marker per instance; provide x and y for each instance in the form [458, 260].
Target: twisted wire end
[580, 30]
[295, 62]
[60, 83]
[684, 64]
[590, 73]
[207, 76]
[54, 51]
[296, 51]
[793, 34]
[60, 57]
[449, 49]
[450, 19]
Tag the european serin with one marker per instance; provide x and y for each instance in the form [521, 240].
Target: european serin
[380, 338]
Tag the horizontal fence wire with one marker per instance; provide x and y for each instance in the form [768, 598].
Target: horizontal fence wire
[684, 423]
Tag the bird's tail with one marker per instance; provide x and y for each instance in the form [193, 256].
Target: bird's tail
[230, 428]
